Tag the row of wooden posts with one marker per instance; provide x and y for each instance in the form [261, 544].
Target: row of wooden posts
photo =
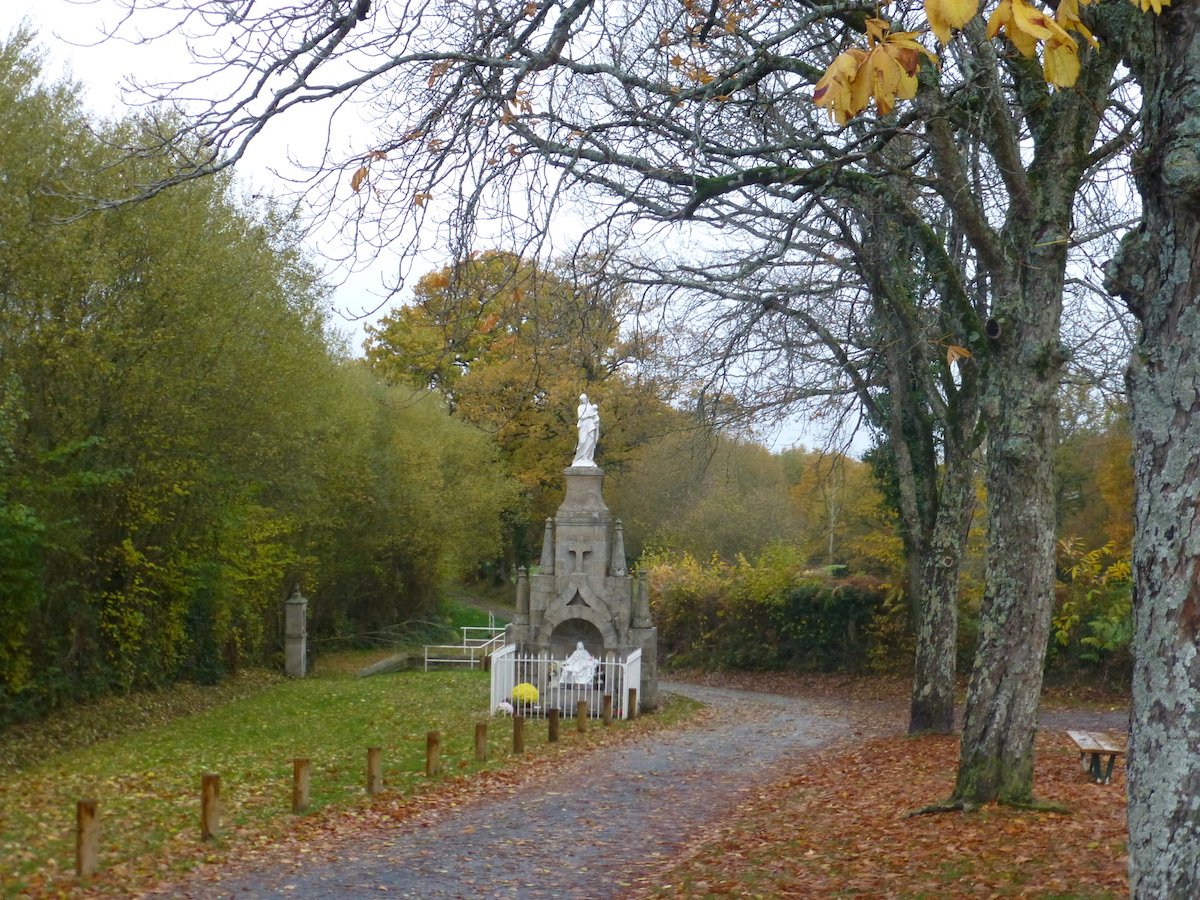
[87, 823]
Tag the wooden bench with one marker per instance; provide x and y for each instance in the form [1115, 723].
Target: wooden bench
[1093, 745]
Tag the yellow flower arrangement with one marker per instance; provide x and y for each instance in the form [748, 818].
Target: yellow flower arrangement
[525, 693]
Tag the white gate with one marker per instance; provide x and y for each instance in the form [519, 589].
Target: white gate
[502, 675]
[610, 677]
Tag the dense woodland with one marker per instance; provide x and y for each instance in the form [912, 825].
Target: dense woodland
[183, 438]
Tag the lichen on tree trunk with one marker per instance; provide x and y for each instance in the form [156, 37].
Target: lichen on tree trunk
[1026, 274]
[1157, 273]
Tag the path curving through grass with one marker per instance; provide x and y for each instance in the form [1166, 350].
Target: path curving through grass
[586, 828]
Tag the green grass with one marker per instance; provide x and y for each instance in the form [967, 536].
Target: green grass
[147, 781]
[461, 615]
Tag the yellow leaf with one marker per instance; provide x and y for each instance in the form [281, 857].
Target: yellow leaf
[954, 353]
[945, 15]
[1025, 26]
[1002, 18]
[996, 20]
[1034, 22]
[885, 74]
[1156, 5]
[1067, 15]
[357, 179]
[1060, 63]
[835, 89]
[907, 51]
[876, 30]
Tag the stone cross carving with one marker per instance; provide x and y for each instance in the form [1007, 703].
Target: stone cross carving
[579, 551]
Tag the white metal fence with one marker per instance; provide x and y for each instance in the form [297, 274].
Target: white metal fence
[611, 676]
[478, 641]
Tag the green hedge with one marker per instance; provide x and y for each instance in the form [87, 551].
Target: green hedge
[769, 613]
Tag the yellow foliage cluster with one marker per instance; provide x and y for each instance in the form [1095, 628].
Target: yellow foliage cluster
[525, 693]
[1026, 26]
[886, 71]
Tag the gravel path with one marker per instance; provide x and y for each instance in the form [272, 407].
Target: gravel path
[576, 833]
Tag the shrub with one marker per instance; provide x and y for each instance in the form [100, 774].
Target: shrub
[1093, 621]
[525, 694]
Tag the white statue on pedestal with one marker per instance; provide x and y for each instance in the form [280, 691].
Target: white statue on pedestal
[589, 430]
[580, 667]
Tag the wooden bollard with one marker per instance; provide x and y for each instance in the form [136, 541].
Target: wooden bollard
[518, 735]
[631, 712]
[606, 709]
[301, 778]
[581, 715]
[374, 770]
[481, 742]
[433, 753]
[87, 838]
[552, 717]
[210, 806]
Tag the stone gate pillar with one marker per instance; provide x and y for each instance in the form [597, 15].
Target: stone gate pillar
[295, 635]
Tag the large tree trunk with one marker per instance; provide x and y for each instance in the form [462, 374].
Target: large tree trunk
[1158, 275]
[1000, 716]
[1020, 409]
[935, 501]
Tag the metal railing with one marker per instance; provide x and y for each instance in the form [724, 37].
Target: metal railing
[478, 642]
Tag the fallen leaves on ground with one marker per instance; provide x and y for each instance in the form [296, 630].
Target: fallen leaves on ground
[839, 825]
[87, 723]
[325, 835]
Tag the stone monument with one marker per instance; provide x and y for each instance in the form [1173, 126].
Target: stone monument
[581, 596]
